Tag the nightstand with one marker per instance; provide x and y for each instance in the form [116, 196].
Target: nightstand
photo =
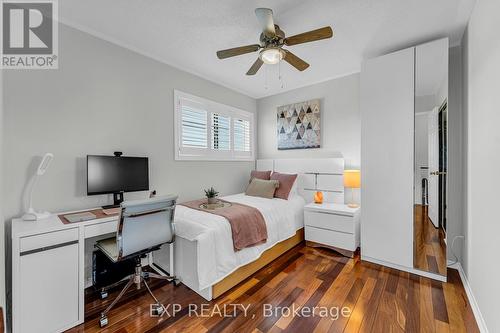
[334, 226]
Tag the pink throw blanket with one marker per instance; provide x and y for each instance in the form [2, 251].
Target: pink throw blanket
[247, 223]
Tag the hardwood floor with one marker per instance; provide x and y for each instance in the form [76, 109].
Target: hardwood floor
[429, 247]
[379, 300]
[2, 329]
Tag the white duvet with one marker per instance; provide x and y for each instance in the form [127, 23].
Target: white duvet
[216, 256]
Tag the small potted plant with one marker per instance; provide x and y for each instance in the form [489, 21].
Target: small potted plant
[211, 195]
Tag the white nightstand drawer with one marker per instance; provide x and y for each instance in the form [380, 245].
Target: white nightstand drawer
[330, 221]
[331, 238]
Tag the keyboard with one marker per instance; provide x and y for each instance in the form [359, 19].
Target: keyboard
[80, 217]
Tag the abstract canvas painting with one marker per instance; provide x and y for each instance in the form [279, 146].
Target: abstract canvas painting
[299, 125]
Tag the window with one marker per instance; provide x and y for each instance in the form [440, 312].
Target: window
[206, 130]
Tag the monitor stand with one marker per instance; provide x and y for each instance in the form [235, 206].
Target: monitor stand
[117, 200]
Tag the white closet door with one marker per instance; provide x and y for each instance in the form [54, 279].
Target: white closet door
[387, 145]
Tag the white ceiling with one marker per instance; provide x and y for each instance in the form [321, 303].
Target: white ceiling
[186, 34]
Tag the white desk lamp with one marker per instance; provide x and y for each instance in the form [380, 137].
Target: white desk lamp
[31, 214]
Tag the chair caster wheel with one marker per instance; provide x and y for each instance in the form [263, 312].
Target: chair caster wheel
[157, 310]
[104, 294]
[103, 321]
[177, 282]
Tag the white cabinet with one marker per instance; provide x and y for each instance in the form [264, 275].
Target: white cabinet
[393, 88]
[49, 262]
[387, 125]
[46, 282]
[331, 225]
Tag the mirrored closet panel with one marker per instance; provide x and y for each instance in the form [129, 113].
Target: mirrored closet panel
[431, 156]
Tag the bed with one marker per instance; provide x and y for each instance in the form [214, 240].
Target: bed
[205, 259]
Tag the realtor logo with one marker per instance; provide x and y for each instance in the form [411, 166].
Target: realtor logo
[29, 34]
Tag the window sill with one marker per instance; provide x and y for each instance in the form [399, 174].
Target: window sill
[213, 159]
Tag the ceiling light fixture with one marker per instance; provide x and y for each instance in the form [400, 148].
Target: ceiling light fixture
[271, 55]
[271, 42]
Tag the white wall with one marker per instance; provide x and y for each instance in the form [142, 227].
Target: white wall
[104, 98]
[340, 122]
[483, 228]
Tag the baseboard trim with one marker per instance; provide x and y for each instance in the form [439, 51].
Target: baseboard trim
[472, 300]
[405, 269]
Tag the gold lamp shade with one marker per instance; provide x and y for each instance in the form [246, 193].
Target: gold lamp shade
[352, 178]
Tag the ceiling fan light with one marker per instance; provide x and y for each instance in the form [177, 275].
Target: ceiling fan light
[271, 56]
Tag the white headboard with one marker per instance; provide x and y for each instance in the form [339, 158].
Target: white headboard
[330, 175]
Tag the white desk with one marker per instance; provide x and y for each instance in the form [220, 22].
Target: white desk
[48, 267]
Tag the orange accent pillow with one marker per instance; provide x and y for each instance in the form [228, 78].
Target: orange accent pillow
[286, 184]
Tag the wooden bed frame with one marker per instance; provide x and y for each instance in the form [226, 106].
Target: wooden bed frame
[267, 256]
[325, 174]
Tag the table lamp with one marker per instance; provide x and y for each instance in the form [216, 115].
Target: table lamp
[32, 214]
[352, 180]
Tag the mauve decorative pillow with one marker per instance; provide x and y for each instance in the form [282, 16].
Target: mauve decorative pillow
[262, 188]
[264, 175]
[286, 183]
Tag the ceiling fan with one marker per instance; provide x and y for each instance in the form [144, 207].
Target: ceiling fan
[272, 40]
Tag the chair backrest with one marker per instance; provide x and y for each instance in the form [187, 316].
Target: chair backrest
[145, 224]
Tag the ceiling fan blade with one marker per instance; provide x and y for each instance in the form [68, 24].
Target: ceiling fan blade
[255, 67]
[236, 51]
[265, 17]
[310, 36]
[295, 61]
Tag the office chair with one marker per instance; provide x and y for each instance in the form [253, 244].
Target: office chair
[144, 226]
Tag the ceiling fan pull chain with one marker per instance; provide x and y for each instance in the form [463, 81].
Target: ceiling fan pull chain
[265, 78]
[280, 78]
[279, 71]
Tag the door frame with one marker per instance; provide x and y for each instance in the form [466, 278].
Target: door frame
[443, 167]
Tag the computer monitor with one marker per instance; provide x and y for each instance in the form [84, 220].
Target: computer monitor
[116, 175]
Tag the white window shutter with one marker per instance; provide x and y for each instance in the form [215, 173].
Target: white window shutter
[211, 131]
[241, 135]
[221, 132]
[194, 125]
